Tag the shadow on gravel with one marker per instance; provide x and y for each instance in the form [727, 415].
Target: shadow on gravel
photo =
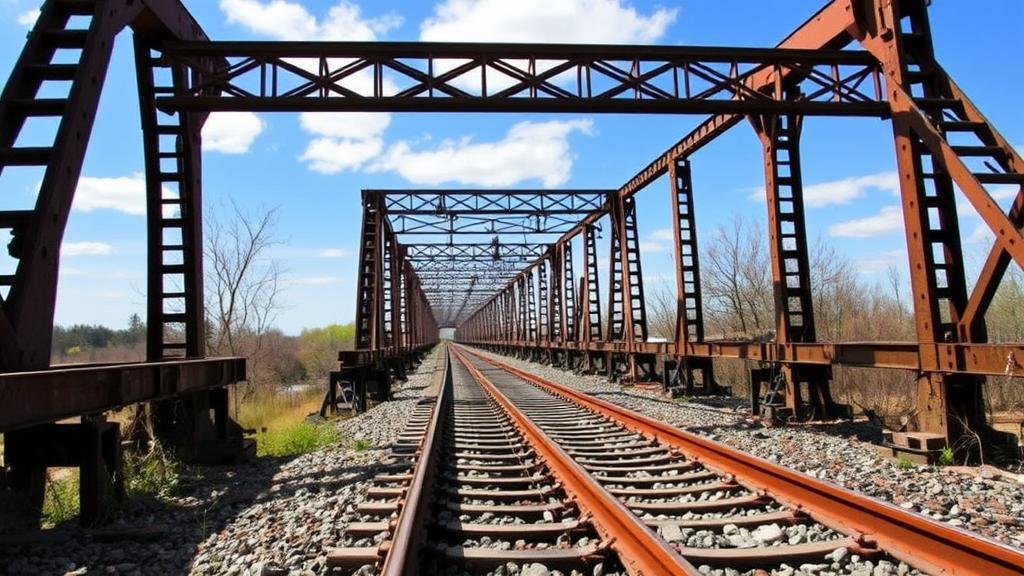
[149, 536]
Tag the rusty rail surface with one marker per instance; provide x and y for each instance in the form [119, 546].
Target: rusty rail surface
[398, 555]
[921, 542]
[639, 549]
[408, 535]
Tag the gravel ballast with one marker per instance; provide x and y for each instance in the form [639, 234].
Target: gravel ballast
[981, 501]
[273, 516]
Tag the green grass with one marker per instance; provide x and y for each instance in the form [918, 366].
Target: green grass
[361, 446]
[155, 473]
[280, 422]
[681, 399]
[297, 438]
[904, 463]
[946, 457]
[60, 502]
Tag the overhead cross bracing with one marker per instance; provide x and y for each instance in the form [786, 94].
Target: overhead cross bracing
[869, 58]
[480, 239]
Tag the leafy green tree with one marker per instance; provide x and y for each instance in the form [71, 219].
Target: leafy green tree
[318, 347]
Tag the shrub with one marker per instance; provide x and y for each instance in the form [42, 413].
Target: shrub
[299, 438]
[60, 502]
[154, 473]
[946, 456]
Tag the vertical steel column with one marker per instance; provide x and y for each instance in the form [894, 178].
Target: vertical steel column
[26, 313]
[369, 292]
[556, 314]
[569, 293]
[388, 287]
[523, 334]
[593, 329]
[626, 250]
[173, 155]
[932, 228]
[542, 301]
[689, 303]
[794, 312]
[533, 323]
[590, 295]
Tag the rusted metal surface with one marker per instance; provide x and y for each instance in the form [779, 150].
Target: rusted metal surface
[924, 543]
[640, 551]
[520, 78]
[30, 398]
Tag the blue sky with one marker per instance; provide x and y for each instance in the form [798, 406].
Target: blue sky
[313, 168]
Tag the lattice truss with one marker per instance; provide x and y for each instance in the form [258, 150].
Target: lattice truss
[467, 245]
[508, 77]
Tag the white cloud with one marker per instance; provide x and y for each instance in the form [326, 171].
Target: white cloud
[352, 125]
[125, 194]
[231, 132]
[836, 192]
[330, 156]
[657, 241]
[570, 21]
[312, 280]
[889, 219]
[647, 247]
[346, 140]
[662, 235]
[28, 18]
[530, 151]
[292, 21]
[333, 253]
[86, 249]
[981, 234]
[847, 189]
[881, 262]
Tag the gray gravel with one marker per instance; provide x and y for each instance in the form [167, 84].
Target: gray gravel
[268, 517]
[983, 501]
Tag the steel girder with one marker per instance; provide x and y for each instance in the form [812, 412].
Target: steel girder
[401, 76]
[806, 74]
[930, 113]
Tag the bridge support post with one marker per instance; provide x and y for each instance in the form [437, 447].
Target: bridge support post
[794, 310]
[93, 446]
[689, 302]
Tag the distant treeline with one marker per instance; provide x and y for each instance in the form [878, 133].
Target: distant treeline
[73, 339]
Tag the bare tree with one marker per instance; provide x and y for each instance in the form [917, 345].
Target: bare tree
[242, 283]
[737, 281]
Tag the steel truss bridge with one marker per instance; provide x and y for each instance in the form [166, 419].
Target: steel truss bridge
[497, 265]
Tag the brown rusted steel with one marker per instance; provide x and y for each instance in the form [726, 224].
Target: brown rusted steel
[402, 559]
[64, 391]
[668, 79]
[639, 549]
[921, 542]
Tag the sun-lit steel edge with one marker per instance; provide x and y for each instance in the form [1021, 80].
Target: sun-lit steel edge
[951, 355]
[924, 543]
[893, 73]
[640, 550]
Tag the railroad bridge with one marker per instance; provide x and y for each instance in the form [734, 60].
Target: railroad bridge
[518, 270]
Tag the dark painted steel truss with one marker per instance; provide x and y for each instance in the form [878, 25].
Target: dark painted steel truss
[514, 269]
[396, 76]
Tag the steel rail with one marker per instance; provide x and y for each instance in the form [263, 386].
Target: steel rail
[639, 549]
[406, 540]
[916, 540]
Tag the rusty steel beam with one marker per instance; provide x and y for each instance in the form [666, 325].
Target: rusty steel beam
[40, 397]
[460, 202]
[327, 76]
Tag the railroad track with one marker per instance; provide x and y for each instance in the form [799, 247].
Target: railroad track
[525, 471]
